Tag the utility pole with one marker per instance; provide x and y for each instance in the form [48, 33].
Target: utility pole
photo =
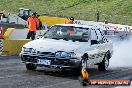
[97, 12]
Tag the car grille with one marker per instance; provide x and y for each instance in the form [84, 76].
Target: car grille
[61, 62]
[28, 58]
[47, 56]
[54, 60]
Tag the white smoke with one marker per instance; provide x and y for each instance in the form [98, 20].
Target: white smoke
[122, 55]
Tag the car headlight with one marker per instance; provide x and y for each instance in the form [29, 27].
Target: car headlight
[29, 50]
[24, 49]
[65, 54]
[33, 51]
[72, 54]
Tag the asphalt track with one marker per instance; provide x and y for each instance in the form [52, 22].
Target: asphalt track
[13, 74]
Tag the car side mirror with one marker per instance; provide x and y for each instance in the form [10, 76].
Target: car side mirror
[94, 42]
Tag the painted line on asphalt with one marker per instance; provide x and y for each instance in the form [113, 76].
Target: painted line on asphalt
[10, 76]
[57, 84]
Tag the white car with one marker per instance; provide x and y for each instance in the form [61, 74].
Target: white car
[65, 46]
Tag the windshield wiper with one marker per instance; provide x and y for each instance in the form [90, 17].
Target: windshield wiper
[65, 39]
[55, 38]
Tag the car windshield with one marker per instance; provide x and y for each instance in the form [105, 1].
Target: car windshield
[67, 33]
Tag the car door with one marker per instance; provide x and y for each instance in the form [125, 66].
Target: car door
[102, 44]
[94, 50]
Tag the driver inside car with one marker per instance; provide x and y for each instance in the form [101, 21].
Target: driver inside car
[71, 31]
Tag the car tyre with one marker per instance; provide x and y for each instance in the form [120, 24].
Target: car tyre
[103, 66]
[78, 70]
[31, 66]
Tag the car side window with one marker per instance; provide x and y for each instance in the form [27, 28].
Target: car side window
[93, 37]
[99, 36]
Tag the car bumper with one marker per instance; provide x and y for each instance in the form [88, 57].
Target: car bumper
[59, 63]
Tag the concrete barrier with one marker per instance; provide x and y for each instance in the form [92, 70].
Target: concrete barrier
[8, 33]
[50, 21]
[15, 39]
[13, 47]
[13, 33]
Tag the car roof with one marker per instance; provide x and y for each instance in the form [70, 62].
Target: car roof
[77, 25]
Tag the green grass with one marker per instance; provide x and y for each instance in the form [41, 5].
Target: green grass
[115, 11]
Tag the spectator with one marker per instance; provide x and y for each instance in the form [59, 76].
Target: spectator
[97, 16]
[33, 24]
[40, 26]
[70, 21]
[106, 22]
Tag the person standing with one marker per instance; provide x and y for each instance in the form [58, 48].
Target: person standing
[70, 21]
[97, 16]
[106, 22]
[33, 24]
[40, 26]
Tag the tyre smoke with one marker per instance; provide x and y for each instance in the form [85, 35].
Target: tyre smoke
[122, 55]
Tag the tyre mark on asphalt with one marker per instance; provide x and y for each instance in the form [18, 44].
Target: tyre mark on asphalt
[4, 65]
[29, 80]
[112, 74]
[56, 84]
[11, 67]
[19, 73]
[10, 76]
[71, 84]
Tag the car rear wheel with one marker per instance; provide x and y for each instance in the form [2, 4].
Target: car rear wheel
[31, 66]
[103, 66]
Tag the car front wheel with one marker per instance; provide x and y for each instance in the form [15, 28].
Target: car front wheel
[83, 62]
[31, 66]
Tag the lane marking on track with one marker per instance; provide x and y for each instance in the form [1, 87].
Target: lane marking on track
[110, 73]
[57, 84]
[10, 76]
[11, 68]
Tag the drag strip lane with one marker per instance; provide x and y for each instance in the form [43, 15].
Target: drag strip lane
[13, 74]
